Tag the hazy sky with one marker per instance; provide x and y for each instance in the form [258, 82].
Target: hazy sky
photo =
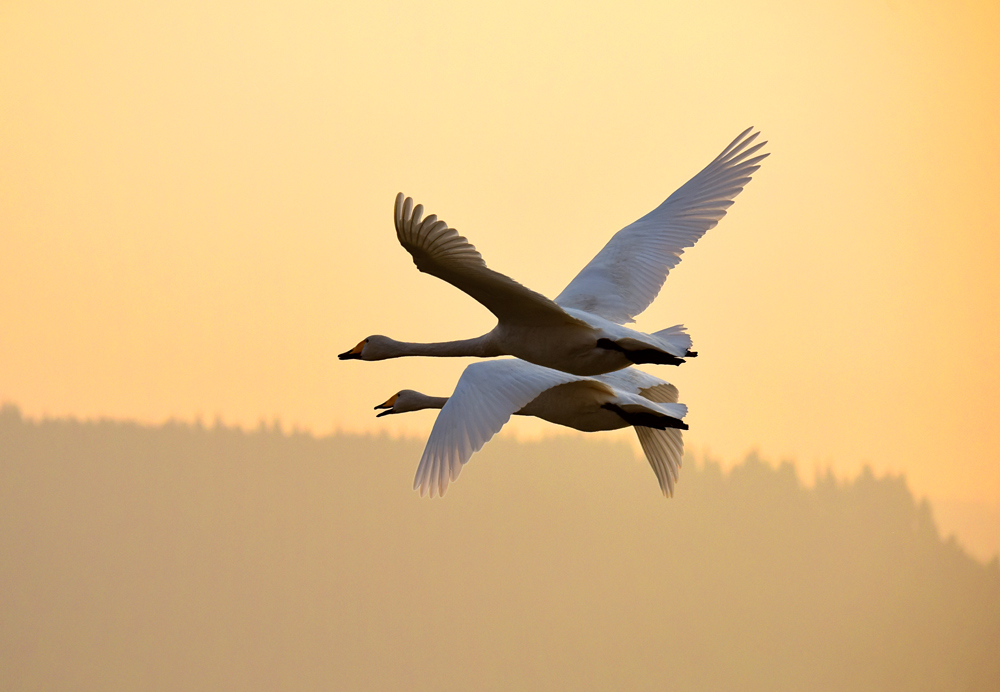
[196, 201]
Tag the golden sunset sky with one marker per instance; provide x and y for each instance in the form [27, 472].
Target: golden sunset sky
[196, 209]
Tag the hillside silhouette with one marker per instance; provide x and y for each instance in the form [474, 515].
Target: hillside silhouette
[190, 557]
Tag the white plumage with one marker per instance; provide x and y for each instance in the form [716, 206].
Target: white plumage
[488, 393]
[581, 331]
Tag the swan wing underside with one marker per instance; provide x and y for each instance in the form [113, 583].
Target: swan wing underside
[440, 251]
[486, 396]
[635, 381]
[664, 450]
[665, 393]
[624, 277]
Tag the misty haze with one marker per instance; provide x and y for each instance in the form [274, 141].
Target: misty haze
[187, 557]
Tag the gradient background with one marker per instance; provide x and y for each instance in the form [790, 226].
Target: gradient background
[195, 211]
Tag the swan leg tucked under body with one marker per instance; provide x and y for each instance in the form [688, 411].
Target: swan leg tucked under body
[488, 393]
[580, 332]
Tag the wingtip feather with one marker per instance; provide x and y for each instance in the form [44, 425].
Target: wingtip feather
[397, 211]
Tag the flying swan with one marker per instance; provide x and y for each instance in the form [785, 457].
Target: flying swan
[488, 393]
[581, 331]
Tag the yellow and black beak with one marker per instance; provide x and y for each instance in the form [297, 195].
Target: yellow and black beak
[387, 405]
[354, 353]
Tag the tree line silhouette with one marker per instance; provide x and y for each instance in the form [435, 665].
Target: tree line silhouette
[183, 556]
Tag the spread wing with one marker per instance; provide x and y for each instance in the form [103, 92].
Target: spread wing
[486, 396]
[635, 381]
[624, 278]
[440, 251]
[664, 449]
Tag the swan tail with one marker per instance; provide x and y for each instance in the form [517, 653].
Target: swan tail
[645, 418]
[676, 341]
[640, 353]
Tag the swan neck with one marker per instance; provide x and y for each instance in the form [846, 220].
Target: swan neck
[433, 401]
[480, 347]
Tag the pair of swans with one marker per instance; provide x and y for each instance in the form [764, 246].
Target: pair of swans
[581, 332]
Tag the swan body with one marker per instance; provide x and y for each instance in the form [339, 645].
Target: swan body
[488, 393]
[597, 347]
[582, 331]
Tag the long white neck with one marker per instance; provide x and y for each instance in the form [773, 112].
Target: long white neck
[422, 401]
[480, 347]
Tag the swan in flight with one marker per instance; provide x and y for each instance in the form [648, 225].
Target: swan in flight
[581, 331]
[488, 393]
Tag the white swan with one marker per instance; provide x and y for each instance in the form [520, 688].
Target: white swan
[489, 392]
[581, 331]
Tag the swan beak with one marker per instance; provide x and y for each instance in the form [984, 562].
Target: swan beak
[354, 353]
[387, 405]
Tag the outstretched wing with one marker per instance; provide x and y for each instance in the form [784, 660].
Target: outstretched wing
[635, 381]
[624, 278]
[664, 450]
[486, 396]
[440, 251]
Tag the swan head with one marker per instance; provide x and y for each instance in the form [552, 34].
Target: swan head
[375, 347]
[404, 401]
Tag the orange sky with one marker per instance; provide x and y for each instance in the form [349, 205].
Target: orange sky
[195, 209]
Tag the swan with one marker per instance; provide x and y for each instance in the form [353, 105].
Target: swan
[489, 392]
[581, 332]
